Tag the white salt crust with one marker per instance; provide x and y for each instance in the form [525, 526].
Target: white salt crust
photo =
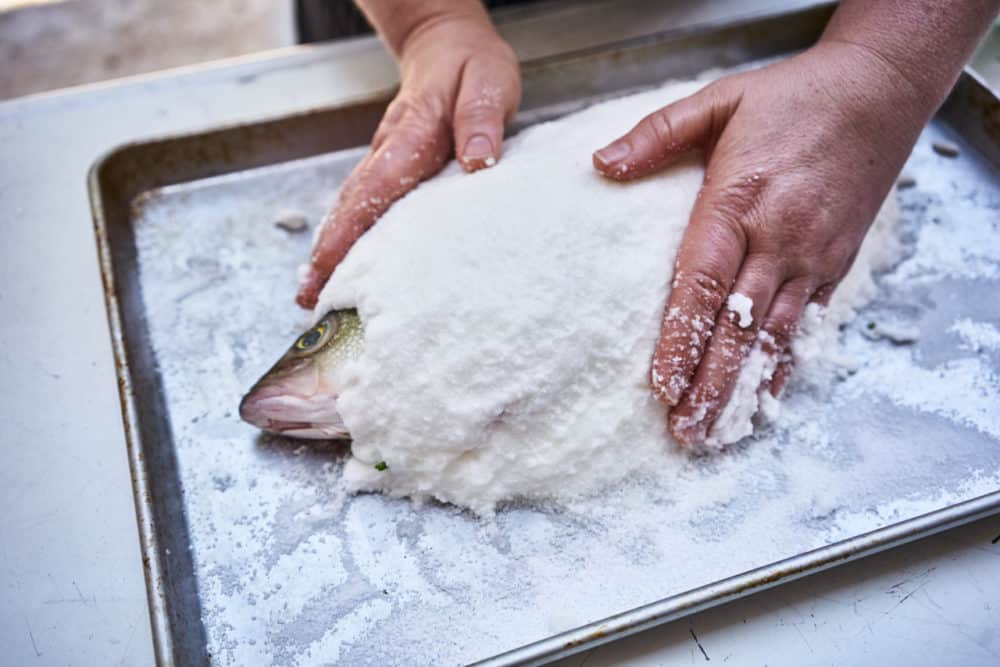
[511, 314]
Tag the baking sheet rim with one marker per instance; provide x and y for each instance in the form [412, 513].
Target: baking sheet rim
[758, 579]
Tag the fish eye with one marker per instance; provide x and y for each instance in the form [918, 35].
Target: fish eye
[313, 338]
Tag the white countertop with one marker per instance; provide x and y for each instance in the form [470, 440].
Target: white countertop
[71, 574]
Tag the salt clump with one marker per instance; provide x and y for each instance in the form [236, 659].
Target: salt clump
[741, 304]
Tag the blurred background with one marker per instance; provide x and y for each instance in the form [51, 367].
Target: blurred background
[49, 44]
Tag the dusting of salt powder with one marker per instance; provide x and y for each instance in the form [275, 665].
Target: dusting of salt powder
[566, 273]
[348, 629]
[857, 522]
[936, 254]
[931, 390]
[977, 335]
[741, 304]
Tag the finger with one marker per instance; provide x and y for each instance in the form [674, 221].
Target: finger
[732, 338]
[333, 242]
[412, 150]
[664, 135]
[782, 373]
[488, 96]
[780, 326]
[709, 257]
[798, 301]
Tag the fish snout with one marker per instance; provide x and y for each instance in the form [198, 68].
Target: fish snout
[284, 410]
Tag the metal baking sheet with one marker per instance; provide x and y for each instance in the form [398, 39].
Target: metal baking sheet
[256, 555]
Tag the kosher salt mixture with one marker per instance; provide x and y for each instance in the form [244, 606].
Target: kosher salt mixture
[510, 317]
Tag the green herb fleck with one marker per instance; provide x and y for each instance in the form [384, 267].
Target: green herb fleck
[380, 466]
[871, 325]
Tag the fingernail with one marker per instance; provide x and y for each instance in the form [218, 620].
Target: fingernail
[670, 397]
[306, 296]
[667, 387]
[479, 149]
[613, 153]
[305, 299]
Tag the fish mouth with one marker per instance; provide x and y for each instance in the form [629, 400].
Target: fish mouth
[276, 410]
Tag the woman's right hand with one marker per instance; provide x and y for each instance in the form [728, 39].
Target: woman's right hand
[460, 84]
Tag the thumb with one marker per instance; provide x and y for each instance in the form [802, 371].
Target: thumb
[664, 135]
[488, 96]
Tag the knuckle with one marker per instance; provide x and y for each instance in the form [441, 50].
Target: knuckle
[505, 52]
[482, 108]
[827, 262]
[493, 100]
[720, 90]
[661, 127]
[709, 292]
[668, 374]
[805, 215]
[781, 330]
[720, 98]
[742, 201]
[416, 112]
[504, 65]
[419, 104]
[823, 292]
[734, 337]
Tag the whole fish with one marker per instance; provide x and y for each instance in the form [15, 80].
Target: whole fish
[297, 397]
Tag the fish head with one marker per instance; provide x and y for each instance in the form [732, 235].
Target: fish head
[298, 396]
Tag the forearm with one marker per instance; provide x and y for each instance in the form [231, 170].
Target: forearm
[924, 43]
[398, 22]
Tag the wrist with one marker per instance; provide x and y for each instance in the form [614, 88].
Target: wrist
[877, 68]
[872, 86]
[857, 102]
[919, 45]
[450, 31]
[402, 25]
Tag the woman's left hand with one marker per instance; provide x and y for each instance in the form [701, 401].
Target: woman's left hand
[799, 157]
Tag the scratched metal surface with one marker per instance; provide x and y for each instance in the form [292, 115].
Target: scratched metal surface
[292, 570]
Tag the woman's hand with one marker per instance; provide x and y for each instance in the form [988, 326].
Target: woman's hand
[460, 83]
[799, 157]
